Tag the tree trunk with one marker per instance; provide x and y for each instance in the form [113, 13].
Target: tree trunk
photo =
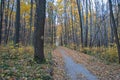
[10, 22]
[65, 23]
[1, 19]
[17, 24]
[80, 18]
[39, 31]
[6, 23]
[114, 29]
[31, 22]
[91, 23]
[86, 29]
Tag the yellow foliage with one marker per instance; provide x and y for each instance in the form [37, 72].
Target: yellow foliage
[20, 50]
[72, 46]
[33, 28]
[109, 54]
[59, 1]
[59, 30]
[12, 51]
[27, 17]
[11, 47]
[28, 27]
[25, 7]
[29, 49]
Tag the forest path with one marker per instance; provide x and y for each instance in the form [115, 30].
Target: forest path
[71, 68]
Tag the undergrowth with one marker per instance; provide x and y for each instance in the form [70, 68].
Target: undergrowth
[18, 64]
[108, 55]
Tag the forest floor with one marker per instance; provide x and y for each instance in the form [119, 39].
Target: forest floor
[18, 64]
[73, 65]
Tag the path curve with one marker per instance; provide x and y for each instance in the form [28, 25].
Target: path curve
[75, 71]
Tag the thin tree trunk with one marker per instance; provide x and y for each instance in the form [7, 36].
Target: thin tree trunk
[6, 22]
[86, 29]
[31, 22]
[1, 19]
[80, 18]
[10, 22]
[65, 22]
[114, 29]
[91, 23]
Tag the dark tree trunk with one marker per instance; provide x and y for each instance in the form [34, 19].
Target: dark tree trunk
[86, 29]
[31, 22]
[6, 22]
[91, 23]
[65, 23]
[80, 16]
[39, 31]
[111, 33]
[1, 18]
[114, 29]
[17, 23]
[73, 38]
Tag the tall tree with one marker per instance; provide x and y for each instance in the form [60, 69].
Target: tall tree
[114, 29]
[10, 23]
[65, 22]
[71, 13]
[80, 17]
[6, 21]
[17, 23]
[1, 18]
[51, 20]
[31, 21]
[39, 30]
[91, 23]
[86, 29]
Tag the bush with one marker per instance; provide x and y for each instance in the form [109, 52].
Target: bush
[109, 54]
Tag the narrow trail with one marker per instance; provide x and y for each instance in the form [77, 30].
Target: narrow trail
[73, 70]
[76, 71]
[72, 65]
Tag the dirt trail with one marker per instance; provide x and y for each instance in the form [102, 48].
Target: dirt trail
[71, 69]
[79, 66]
[76, 71]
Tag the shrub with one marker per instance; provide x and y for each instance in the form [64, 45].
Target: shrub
[109, 54]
